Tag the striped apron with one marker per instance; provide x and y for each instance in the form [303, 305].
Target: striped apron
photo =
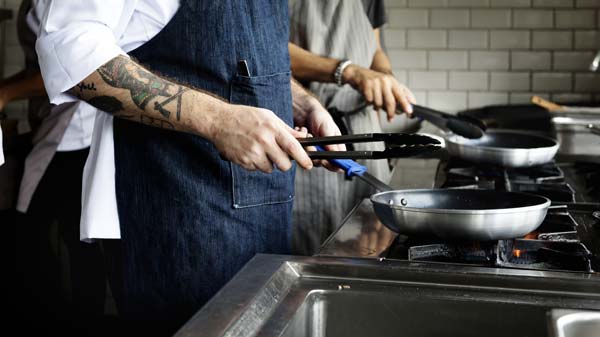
[337, 29]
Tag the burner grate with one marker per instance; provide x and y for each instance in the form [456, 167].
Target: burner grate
[554, 245]
[518, 253]
[547, 180]
[476, 253]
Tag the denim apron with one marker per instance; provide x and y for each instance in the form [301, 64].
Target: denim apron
[189, 219]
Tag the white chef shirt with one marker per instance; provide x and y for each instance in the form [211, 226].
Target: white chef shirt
[78, 134]
[75, 39]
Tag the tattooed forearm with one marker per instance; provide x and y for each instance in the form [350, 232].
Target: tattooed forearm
[157, 122]
[107, 103]
[142, 85]
[127, 90]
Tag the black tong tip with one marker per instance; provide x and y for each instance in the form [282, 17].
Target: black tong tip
[464, 129]
[397, 145]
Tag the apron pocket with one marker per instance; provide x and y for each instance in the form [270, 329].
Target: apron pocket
[254, 188]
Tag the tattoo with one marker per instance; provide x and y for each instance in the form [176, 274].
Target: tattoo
[156, 122]
[107, 103]
[82, 86]
[144, 88]
[142, 85]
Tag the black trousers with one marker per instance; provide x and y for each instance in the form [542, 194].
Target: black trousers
[50, 225]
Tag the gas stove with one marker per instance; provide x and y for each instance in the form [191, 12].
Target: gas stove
[567, 240]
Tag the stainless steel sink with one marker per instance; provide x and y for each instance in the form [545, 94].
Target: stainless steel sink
[296, 296]
[329, 313]
[574, 323]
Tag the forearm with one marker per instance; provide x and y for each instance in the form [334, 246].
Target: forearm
[22, 85]
[307, 66]
[381, 62]
[125, 89]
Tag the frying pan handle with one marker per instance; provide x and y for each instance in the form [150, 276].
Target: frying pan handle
[349, 166]
[432, 116]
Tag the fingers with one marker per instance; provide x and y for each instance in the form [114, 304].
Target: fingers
[290, 146]
[264, 164]
[279, 158]
[258, 156]
[298, 132]
[411, 96]
[368, 93]
[400, 95]
[411, 100]
[377, 95]
[390, 102]
[304, 131]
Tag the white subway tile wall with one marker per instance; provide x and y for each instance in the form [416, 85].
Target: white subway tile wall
[461, 54]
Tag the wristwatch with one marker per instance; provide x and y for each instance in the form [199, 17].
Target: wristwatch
[337, 76]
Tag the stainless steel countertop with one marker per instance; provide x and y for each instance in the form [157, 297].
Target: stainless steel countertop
[270, 294]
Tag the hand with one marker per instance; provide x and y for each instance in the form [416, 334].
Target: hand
[320, 124]
[257, 139]
[380, 89]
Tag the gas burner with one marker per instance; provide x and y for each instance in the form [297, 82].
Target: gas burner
[542, 254]
[560, 192]
[555, 244]
[547, 173]
[472, 253]
[546, 180]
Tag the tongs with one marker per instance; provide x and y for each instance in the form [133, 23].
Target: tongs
[460, 125]
[464, 126]
[397, 145]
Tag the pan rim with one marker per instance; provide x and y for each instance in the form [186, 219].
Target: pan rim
[538, 207]
[457, 140]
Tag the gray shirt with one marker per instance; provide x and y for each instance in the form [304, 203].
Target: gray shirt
[376, 13]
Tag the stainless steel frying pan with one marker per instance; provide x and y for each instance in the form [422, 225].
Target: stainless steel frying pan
[479, 215]
[506, 148]
[459, 214]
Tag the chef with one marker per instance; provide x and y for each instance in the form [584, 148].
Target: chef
[196, 145]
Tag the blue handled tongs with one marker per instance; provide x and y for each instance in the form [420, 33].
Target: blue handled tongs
[397, 145]
[354, 169]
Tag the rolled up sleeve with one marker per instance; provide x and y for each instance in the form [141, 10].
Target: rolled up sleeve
[75, 39]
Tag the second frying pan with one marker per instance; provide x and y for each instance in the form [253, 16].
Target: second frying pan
[506, 148]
